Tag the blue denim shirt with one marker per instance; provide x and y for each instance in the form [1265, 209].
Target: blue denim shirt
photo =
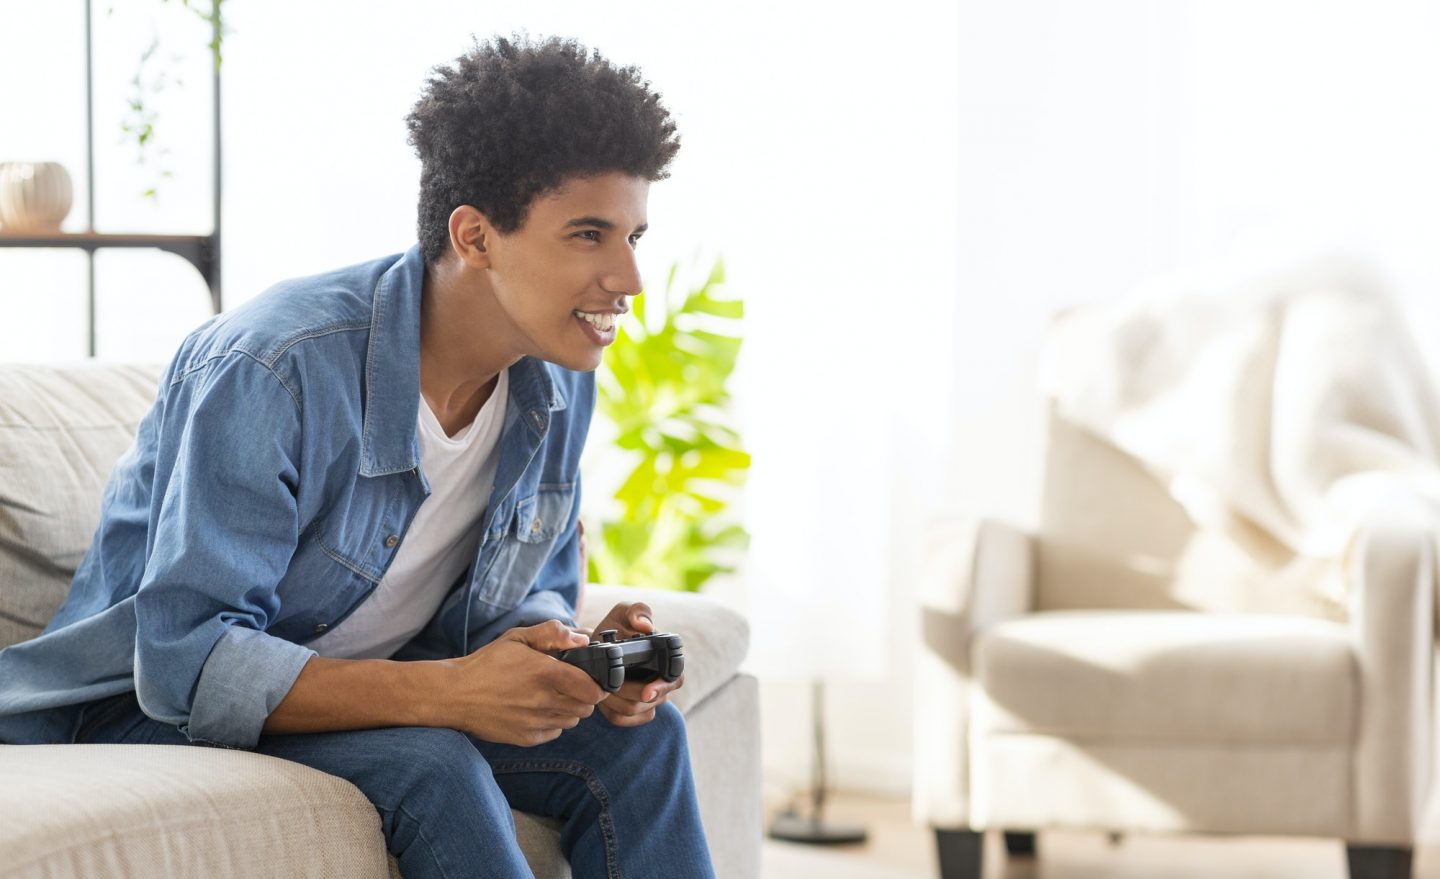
[266, 493]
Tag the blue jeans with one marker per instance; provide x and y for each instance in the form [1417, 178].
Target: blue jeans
[626, 797]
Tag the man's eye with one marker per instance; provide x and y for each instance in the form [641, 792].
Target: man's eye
[634, 239]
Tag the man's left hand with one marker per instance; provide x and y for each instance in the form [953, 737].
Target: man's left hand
[635, 702]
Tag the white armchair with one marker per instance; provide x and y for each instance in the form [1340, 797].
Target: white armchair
[1122, 670]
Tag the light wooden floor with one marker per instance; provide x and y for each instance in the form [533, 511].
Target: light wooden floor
[897, 849]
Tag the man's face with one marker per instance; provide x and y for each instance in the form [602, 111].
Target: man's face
[565, 276]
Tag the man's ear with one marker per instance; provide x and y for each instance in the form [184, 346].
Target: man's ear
[470, 233]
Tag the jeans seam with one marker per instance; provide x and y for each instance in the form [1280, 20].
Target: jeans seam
[420, 832]
[592, 783]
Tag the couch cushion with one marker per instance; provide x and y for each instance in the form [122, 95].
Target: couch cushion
[61, 431]
[168, 810]
[1169, 677]
[716, 638]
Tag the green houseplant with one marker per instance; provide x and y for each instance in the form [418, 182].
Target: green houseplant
[664, 389]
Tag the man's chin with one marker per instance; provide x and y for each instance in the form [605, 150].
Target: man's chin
[578, 362]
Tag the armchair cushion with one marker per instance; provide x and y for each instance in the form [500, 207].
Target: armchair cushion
[1173, 677]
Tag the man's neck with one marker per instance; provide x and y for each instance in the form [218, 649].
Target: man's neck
[457, 367]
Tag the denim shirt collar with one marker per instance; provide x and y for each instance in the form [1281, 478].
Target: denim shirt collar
[392, 374]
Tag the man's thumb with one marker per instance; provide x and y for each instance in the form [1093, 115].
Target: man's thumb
[549, 636]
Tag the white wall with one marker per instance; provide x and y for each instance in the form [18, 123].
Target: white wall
[1107, 142]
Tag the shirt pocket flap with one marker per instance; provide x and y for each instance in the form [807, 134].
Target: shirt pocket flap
[541, 516]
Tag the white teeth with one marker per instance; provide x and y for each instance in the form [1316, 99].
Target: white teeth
[602, 322]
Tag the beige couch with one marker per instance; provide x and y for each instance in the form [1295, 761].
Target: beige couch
[1120, 670]
[149, 811]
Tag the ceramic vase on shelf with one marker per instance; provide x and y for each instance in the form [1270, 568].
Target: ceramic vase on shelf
[34, 196]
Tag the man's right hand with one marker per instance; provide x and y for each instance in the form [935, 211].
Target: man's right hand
[513, 691]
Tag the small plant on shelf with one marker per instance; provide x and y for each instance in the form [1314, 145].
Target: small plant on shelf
[138, 123]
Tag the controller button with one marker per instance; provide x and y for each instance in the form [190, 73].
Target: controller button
[608, 636]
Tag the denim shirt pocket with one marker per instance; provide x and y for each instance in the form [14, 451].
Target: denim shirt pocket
[321, 587]
[526, 544]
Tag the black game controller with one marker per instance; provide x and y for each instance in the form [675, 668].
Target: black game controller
[611, 663]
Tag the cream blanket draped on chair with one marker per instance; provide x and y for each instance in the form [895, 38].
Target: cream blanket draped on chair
[1296, 403]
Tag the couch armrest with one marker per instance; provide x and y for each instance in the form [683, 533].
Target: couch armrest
[1391, 580]
[716, 637]
[977, 572]
[724, 734]
[724, 725]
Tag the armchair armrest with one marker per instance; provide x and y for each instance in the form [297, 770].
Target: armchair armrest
[978, 572]
[1391, 577]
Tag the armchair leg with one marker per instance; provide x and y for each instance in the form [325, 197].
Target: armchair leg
[1020, 844]
[1378, 862]
[961, 853]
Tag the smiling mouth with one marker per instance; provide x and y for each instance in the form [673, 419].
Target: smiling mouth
[602, 322]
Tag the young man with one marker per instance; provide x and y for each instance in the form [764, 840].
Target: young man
[347, 532]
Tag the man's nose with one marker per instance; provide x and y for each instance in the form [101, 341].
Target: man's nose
[624, 275]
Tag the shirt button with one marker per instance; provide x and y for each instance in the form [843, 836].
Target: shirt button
[535, 525]
[320, 627]
[391, 541]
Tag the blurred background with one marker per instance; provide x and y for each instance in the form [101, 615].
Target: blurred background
[901, 194]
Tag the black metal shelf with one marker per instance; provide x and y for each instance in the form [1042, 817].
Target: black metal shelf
[201, 251]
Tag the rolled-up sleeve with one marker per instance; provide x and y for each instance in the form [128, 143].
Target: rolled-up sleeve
[225, 524]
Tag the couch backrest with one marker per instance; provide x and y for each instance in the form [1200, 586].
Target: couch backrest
[1111, 536]
[61, 430]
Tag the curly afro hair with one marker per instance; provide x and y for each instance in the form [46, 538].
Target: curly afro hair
[511, 120]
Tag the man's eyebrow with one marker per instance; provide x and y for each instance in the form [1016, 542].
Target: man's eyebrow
[600, 223]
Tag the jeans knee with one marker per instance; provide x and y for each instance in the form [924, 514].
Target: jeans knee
[428, 758]
[442, 810]
[669, 723]
[665, 735]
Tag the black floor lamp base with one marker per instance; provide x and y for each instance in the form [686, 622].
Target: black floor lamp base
[790, 825]
[793, 827]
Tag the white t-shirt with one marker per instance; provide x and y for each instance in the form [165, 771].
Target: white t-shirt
[441, 541]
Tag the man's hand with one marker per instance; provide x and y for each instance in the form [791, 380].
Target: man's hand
[514, 692]
[634, 703]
